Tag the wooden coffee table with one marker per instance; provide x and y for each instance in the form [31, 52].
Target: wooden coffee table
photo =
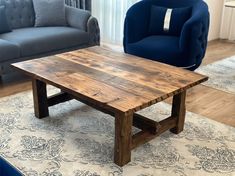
[117, 84]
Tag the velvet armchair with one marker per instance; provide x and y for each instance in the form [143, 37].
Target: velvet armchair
[168, 31]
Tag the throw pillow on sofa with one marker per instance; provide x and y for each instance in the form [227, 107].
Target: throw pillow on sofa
[49, 13]
[4, 26]
[166, 21]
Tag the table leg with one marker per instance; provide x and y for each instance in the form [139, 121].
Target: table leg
[40, 99]
[123, 138]
[179, 110]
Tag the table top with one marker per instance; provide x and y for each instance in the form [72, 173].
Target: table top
[230, 4]
[120, 82]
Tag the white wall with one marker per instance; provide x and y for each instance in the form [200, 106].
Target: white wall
[216, 11]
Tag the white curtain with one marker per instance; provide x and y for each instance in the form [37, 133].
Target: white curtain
[228, 24]
[111, 15]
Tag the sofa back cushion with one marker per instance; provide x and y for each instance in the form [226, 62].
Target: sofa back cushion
[20, 13]
[49, 13]
[4, 26]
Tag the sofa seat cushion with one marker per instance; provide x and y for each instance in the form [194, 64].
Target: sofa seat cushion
[159, 48]
[8, 51]
[33, 41]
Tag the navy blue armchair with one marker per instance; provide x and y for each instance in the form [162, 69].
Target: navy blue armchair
[181, 46]
[6, 169]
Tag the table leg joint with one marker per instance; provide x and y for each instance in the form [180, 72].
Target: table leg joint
[146, 135]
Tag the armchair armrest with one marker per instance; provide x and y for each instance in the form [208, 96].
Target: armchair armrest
[82, 19]
[195, 33]
[94, 31]
[77, 18]
[136, 23]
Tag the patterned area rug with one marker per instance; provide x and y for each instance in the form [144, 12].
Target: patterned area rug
[221, 74]
[77, 140]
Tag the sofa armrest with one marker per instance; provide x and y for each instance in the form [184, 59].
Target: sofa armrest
[94, 31]
[77, 18]
[82, 19]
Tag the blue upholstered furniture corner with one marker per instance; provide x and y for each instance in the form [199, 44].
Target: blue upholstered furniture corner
[6, 169]
[185, 50]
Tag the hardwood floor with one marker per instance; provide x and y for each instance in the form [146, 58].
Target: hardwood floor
[14, 83]
[203, 100]
[209, 102]
[217, 50]
[212, 103]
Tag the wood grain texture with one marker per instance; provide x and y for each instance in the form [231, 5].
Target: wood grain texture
[218, 50]
[118, 84]
[40, 99]
[123, 138]
[145, 123]
[58, 98]
[121, 82]
[146, 135]
[114, 83]
[201, 99]
[179, 111]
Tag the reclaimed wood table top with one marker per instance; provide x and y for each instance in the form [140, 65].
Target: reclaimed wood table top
[118, 81]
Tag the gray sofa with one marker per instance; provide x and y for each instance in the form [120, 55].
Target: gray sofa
[29, 42]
